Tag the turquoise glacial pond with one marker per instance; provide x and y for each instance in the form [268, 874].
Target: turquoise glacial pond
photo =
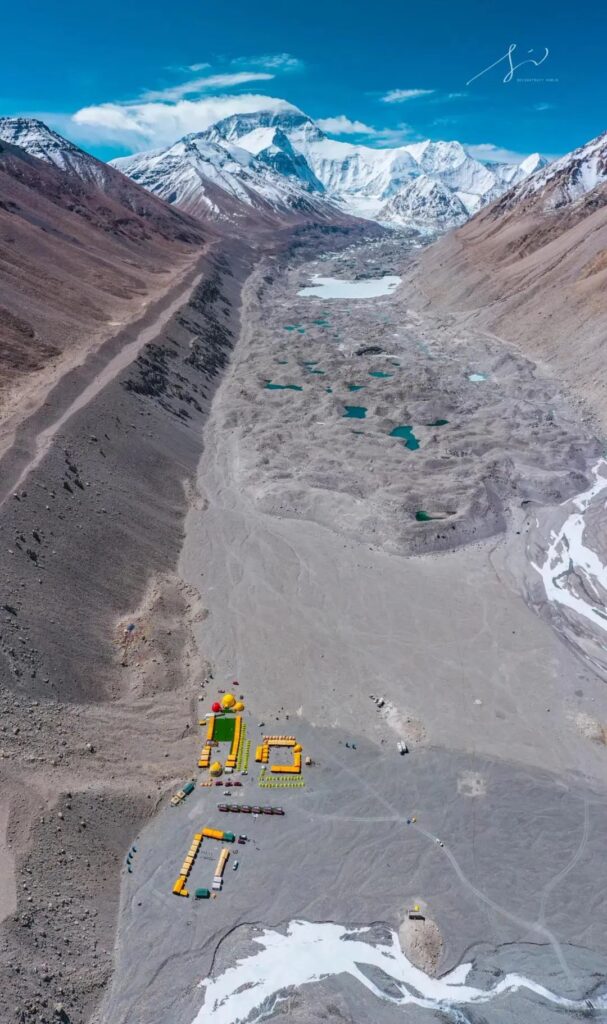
[355, 412]
[355, 387]
[282, 387]
[477, 376]
[380, 373]
[406, 432]
[438, 423]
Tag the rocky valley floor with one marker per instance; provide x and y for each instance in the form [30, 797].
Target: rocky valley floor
[375, 484]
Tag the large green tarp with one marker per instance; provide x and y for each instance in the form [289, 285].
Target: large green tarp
[224, 729]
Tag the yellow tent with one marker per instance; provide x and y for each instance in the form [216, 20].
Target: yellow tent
[216, 768]
[239, 706]
[297, 748]
[228, 701]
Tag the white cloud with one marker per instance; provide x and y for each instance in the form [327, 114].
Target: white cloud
[181, 68]
[342, 125]
[155, 124]
[489, 151]
[271, 61]
[399, 136]
[402, 95]
[541, 107]
[197, 85]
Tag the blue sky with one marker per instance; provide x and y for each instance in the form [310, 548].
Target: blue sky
[124, 76]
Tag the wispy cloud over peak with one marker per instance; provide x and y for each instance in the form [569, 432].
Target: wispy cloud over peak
[156, 124]
[402, 95]
[271, 62]
[196, 86]
[342, 125]
[489, 151]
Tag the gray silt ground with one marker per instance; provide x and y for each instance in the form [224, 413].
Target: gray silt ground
[343, 852]
[293, 557]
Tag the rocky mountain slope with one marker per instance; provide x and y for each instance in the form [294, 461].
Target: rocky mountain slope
[532, 267]
[76, 262]
[40, 141]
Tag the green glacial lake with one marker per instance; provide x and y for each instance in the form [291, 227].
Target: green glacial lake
[380, 374]
[355, 412]
[406, 432]
[355, 387]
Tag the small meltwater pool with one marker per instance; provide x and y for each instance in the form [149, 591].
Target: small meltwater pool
[355, 412]
[406, 432]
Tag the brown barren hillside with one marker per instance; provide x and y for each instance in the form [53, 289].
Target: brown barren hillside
[533, 269]
[75, 265]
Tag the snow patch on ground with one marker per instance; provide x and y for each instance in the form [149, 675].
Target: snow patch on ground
[568, 554]
[310, 952]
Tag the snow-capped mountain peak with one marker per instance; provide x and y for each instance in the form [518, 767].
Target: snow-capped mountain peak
[534, 162]
[363, 178]
[36, 138]
[425, 205]
[221, 179]
[564, 180]
[40, 141]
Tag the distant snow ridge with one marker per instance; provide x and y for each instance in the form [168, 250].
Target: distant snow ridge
[362, 179]
[424, 205]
